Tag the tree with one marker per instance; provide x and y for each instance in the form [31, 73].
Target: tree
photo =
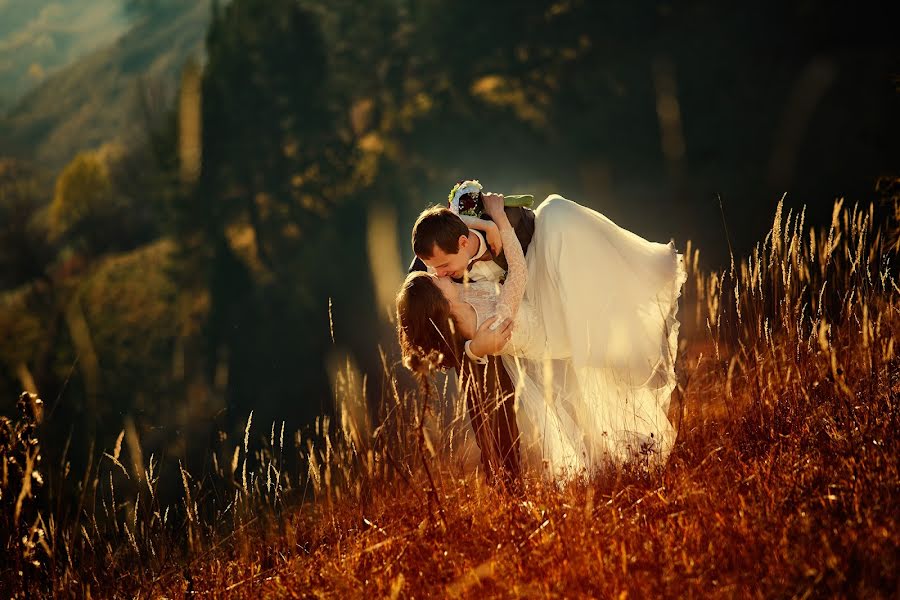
[25, 251]
[107, 200]
[83, 203]
[269, 142]
[274, 167]
[32, 320]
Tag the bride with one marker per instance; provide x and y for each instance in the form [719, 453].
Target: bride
[585, 326]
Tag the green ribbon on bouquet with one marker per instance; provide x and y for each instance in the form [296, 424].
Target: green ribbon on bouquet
[518, 201]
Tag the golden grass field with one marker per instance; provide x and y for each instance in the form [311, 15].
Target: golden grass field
[784, 482]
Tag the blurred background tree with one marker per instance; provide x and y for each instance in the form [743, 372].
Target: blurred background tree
[83, 208]
[274, 175]
[25, 248]
[30, 318]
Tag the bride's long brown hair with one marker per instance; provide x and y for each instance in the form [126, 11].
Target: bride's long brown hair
[428, 336]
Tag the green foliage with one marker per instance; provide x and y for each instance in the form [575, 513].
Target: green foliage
[104, 201]
[83, 199]
[130, 304]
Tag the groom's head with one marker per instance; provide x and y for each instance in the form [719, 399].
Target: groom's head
[441, 240]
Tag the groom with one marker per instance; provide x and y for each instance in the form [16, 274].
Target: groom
[444, 245]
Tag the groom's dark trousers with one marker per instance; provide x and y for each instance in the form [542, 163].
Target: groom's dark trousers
[489, 390]
[489, 394]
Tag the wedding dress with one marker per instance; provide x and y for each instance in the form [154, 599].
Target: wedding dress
[595, 336]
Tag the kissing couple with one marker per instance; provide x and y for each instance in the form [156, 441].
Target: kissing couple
[560, 324]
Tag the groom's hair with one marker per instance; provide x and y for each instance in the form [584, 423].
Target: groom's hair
[437, 225]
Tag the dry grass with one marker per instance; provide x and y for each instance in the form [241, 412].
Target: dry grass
[785, 480]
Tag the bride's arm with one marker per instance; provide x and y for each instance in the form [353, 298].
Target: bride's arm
[517, 274]
[490, 229]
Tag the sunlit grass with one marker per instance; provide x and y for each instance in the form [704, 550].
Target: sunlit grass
[784, 480]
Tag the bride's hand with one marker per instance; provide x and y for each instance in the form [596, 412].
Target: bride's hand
[493, 205]
[491, 341]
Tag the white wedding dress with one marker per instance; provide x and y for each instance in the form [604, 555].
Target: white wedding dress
[593, 349]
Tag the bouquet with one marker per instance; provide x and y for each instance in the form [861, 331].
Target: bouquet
[466, 198]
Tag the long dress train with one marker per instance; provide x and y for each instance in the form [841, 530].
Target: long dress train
[595, 340]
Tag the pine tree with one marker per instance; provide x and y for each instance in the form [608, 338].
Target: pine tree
[272, 169]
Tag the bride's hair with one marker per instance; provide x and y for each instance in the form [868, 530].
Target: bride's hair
[428, 337]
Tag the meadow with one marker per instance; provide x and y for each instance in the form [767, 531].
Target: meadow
[784, 482]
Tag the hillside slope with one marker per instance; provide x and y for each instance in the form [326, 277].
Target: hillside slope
[40, 37]
[95, 99]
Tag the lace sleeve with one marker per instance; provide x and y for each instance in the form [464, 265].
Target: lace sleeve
[516, 276]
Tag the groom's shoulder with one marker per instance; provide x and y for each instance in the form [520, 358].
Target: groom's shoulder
[522, 221]
[519, 214]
